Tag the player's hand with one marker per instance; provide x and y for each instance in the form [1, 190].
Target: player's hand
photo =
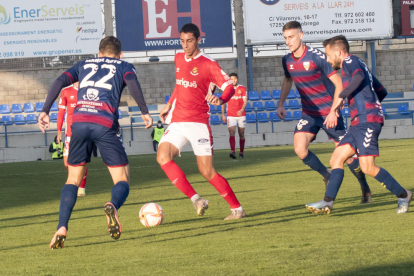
[331, 120]
[43, 121]
[281, 112]
[164, 112]
[59, 136]
[147, 120]
[213, 100]
[240, 112]
[224, 119]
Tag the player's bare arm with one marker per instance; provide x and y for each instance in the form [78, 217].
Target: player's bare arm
[164, 112]
[222, 113]
[240, 112]
[44, 121]
[214, 100]
[332, 118]
[286, 86]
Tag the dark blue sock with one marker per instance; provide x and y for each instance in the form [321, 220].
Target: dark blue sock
[120, 192]
[356, 170]
[335, 181]
[315, 164]
[67, 201]
[389, 182]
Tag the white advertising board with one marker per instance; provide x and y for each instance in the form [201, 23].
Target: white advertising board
[49, 28]
[320, 19]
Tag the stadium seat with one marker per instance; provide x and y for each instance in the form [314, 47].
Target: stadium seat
[288, 116]
[54, 107]
[19, 120]
[262, 117]
[167, 98]
[133, 109]
[16, 108]
[258, 106]
[28, 108]
[212, 109]
[248, 108]
[297, 115]
[215, 120]
[254, 96]
[39, 107]
[218, 95]
[218, 109]
[346, 103]
[294, 104]
[250, 118]
[265, 95]
[345, 113]
[120, 114]
[53, 117]
[273, 117]
[291, 94]
[384, 111]
[270, 105]
[276, 94]
[284, 104]
[4, 109]
[403, 109]
[31, 119]
[7, 120]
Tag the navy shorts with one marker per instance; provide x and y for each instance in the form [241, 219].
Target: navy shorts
[363, 138]
[312, 124]
[108, 141]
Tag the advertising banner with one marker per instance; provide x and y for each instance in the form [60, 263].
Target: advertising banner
[49, 28]
[145, 25]
[320, 19]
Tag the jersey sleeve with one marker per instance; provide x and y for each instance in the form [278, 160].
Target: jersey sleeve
[320, 60]
[63, 102]
[244, 92]
[379, 89]
[218, 76]
[287, 75]
[352, 67]
[73, 72]
[129, 69]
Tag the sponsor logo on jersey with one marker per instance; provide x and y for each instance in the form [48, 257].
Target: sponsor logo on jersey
[236, 97]
[194, 72]
[91, 94]
[186, 83]
[203, 140]
[73, 105]
[306, 65]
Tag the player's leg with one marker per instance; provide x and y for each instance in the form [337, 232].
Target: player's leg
[232, 123]
[81, 189]
[241, 123]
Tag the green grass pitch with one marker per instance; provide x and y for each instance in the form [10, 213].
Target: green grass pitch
[279, 236]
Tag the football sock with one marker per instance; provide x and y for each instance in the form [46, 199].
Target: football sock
[177, 177]
[68, 198]
[335, 181]
[194, 198]
[390, 183]
[315, 164]
[82, 185]
[223, 187]
[119, 193]
[232, 141]
[356, 170]
[242, 145]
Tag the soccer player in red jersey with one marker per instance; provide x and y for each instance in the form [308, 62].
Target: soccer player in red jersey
[187, 112]
[67, 102]
[236, 116]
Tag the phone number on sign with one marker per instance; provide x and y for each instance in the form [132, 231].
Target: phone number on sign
[12, 54]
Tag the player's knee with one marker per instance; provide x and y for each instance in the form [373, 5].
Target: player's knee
[241, 134]
[368, 168]
[163, 158]
[232, 133]
[207, 173]
[301, 152]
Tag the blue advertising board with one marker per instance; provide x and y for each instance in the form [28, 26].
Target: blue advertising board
[145, 25]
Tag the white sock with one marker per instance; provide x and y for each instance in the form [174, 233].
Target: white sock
[238, 209]
[194, 198]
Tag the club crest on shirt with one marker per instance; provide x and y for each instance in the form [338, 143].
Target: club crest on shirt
[91, 95]
[239, 91]
[306, 65]
[291, 66]
[194, 72]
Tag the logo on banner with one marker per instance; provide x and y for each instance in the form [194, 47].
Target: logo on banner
[161, 18]
[269, 2]
[306, 65]
[4, 18]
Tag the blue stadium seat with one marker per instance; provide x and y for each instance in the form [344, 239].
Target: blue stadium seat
[167, 98]
[276, 94]
[346, 103]
[258, 106]
[254, 96]
[284, 104]
[137, 119]
[384, 111]
[291, 94]
[297, 115]
[270, 105]
[31, 119]
[54, 107]
[218, 109]
[403, 109]
[53, 117]
[262, 117]
[4, 109]
[294, 104]
[345, 113]
[16, 108]
[39, 107]
[120, 114]
[250, 118]
[248, 108]
[28, 108]
[7, 120]
[19, 120]
[218, 95]
[273, 117]
[265, 95]
[288, 116]
[215, 120]
[212, 109]
[133, 109]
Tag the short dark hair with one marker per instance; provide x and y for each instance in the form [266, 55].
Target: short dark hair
[292, 25]
[110, 45]
[337, 41]
[191, 28]
[233, 75]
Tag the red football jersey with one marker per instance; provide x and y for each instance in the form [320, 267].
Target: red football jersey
[68, 100]
[195, 79]
[236, 102]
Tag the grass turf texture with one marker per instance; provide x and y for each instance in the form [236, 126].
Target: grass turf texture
[279, 236]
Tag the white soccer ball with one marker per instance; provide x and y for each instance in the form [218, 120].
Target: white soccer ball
[151, 214]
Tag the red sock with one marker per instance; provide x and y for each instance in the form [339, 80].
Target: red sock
[223, 187]
[232, 141]
[83, 183]
[242, 145]
[177, 177]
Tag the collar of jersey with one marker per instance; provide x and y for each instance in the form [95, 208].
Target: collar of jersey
[190, 59]
[304, 53]
[74, 87]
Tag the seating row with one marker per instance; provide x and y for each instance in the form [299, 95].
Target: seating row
[27, 108]
[258, 106]
[262, 117]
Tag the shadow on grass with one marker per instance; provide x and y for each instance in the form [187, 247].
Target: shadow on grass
[401, 269]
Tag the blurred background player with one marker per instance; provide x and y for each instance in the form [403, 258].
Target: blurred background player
[156, 135]
[67, 102]
[56, 149]
[95, 120]
[318, 85]
[236, 116]
[367, 120]
[196, 76]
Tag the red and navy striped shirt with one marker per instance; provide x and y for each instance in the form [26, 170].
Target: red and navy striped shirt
[311, 74]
